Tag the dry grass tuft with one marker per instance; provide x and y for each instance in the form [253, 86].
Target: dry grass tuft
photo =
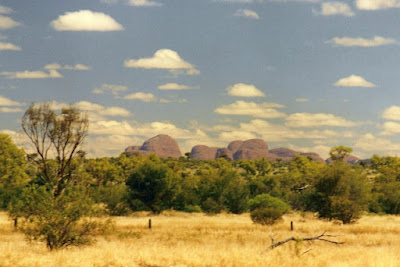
[180, 239]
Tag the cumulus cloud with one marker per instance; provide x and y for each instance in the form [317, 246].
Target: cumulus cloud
[144, 3]
[390, 128]
[141, 96]
[163, 59]
[5, 10]
[9, 46]
[113, 88]
[56, 66]
[10, 110]
[392, 113]
[373, 144]
[7, 23]
[362, 42]
[95, 111]
[354, 81]
[334, 9]
[52, 74]
[275, 132]
[244, 90]
[4, 101]
[246, 13]
[377, 4]
[306, 120]
[174, 86]
[242, 108]
[85, 20]
[301, 100]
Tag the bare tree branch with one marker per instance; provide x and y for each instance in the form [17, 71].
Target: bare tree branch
[299, 239]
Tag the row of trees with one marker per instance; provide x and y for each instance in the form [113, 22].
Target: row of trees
[53, 194]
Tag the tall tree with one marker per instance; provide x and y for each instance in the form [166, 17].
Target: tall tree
[58, 135]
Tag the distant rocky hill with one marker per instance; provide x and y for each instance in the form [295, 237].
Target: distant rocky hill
[250, 149]
[348, 159]
[162, 145]
[286, 154]
[165, 146]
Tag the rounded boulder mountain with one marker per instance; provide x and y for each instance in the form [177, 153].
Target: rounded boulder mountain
[252, 149]
[163, 146]
[234, 145]
[203, 152]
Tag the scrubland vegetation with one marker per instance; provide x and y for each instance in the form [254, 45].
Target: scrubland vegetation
[59, 199]
[181, 239]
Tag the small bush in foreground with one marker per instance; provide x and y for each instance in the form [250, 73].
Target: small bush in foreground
[266, 216]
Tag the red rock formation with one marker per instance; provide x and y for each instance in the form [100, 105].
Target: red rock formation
[252, 149]
[162, 145]
[203, 152]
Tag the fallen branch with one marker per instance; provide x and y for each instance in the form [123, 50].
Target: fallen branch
[299, 239]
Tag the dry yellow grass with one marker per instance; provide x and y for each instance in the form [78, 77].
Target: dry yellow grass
[179, 239]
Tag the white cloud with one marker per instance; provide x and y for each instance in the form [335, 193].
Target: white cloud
[362, 42]
[237, 135]
[335, 8]
[354, 81]
[390, 128]
[5, 10]
[174, 86]
[53, 74]
[145, 97]
[372, 144]
[276, 132]
[262, 110]
[115, 89]
[377, 4]
[85, 20]
[307, 120]
[8, 102]
[244, 90]
[145, 3]
[392, 113]
[95, 111]
[56, 66]
[7, 23]
[163, 59]
[9, 46]
[10, 110]
[301, 100]
[246, 13]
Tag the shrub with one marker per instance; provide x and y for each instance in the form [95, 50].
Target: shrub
[266, 216]
[59, 222]
[266, 209]
[268, 201]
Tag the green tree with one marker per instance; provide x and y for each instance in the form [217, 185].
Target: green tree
[53, 208]
[153, 183]
[341, 192]
[338, 153]
[13, 168]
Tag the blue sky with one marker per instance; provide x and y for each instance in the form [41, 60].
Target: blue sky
[303, 74]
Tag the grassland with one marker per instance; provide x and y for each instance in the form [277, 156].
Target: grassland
[179, 239]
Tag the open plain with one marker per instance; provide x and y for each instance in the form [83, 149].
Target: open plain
[181, 239]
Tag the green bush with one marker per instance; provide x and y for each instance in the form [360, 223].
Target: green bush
[268, 201]
[59, 222]
[266, 216]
